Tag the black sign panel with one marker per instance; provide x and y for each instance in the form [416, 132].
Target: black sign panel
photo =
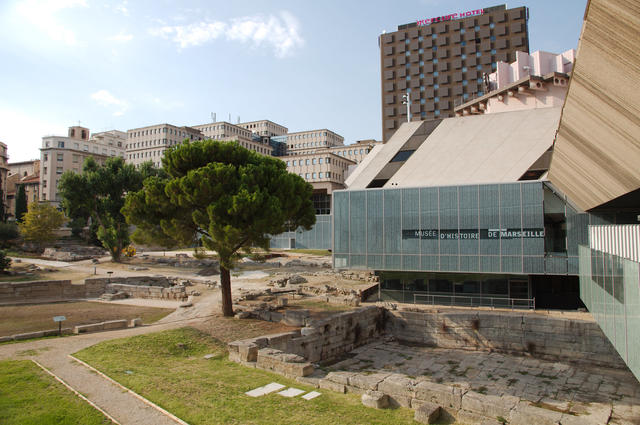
[470, 234]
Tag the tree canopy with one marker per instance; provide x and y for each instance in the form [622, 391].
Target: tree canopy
[21, 202]
[227, 196]
[98, 193]
[40, 223]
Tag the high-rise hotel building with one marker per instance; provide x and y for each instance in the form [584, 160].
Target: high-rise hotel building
[440, 62]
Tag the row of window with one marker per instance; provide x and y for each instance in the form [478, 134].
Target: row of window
[312, 161]
[61, 145]
[315, 176]
[153, 131]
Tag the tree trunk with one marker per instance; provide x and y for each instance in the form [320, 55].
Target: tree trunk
[225, 286]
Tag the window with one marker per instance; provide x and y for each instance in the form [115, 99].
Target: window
[306, 162]
[60, 144]
[314, 176]
[44, 183]
[436, 86]
[407, 53]
[492, 38]
[76, 145]
[320, 175]
[436, 73]
[58, 170]
[313, 161]
[46, 157]
[437, 112]
[421, 88]
[463, 43]
[465, 82]
[479, 67]
[477, 28]
[422, 101]
[76, 158]
[435, 61]
[60, 157]
[436, 99]
[434, 36]
[86, 148]
[319, 160]
[306, 176]
[288, 163]
[328, 160]
[478, 54]
[420, 38]
[421, 63]
[493, 51]
[402, 156]
[408, 78]
[421, 51]
[479, 80]
[462, 31]
[480, 93]
[492, 25]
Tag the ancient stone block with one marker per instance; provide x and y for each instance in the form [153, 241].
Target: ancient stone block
[114, 324]
[489, 405]
[428, 413]
[526, 414]
[333, 386]
[443, 395]
[375, 399]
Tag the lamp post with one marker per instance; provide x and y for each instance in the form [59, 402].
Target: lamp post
[407, 101]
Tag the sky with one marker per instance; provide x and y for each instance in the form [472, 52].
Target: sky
[131, 63]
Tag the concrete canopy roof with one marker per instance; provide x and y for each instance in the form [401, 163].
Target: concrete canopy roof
[490, 148]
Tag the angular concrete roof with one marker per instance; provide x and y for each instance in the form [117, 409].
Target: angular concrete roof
[489, 148]
[596, 155]
[380, 156]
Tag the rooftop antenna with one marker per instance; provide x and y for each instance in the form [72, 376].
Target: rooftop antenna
[238, 119]
[229, 116]
[213, 116]
[407, 101]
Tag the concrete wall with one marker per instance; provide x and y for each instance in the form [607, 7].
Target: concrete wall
[541, 336]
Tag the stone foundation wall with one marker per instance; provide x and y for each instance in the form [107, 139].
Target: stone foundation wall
[150, 292]
[136, 287]
[546, 337]
[292, 353]
[49, 289]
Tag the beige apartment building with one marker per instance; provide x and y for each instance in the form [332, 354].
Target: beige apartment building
[264, 128]
[59, 154]
[149, 143]
[27, 174]
[325, 171]
[4, 171]
[303, 142]
[356, 151]
[225, 131]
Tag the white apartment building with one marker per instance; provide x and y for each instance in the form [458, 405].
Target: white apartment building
[264, 128]
[59, 154]
[149, 143]
[225, 131]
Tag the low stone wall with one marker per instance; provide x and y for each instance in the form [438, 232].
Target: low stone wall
[50, 289]
[136, 287]
[291, 353]
[541, 336]
[150, 292]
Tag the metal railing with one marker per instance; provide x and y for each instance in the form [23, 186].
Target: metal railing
[476, 301]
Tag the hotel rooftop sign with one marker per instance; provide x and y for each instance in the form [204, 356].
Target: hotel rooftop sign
[477, 12]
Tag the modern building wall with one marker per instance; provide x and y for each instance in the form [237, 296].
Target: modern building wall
[149, 143]
[318, 237]
[441, 62]
[610, 288]
[303, 142]
[59, 154]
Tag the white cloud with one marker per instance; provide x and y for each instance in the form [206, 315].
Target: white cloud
[121, 37]
[41, 15]
[281, 33]
[106, 99]
[122, 8]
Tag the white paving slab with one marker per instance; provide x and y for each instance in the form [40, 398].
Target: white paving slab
[269, 388]
[311, 395]
[291, 392]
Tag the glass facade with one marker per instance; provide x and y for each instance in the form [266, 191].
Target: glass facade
[496, 228]
[610, 288]
[319, 237]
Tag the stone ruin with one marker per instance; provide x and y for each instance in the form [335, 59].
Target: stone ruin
[74, 253]
[300, 355]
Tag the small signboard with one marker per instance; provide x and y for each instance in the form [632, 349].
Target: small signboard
[59, 318]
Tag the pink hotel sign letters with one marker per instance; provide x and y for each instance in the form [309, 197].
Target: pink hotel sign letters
[451, 17]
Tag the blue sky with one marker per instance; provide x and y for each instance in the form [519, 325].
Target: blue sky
[125, 64]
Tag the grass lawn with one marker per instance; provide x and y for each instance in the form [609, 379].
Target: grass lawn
[38, 317]
[168, 368]
[28, 396]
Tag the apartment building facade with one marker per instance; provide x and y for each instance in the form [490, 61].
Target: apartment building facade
[59, 154]
[225, 131]
[27, 174]
[149, 143]
[442, 62]
[264, 128]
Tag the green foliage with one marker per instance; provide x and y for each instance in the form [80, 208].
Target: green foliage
[40, 223]
[77, 225]
[98, 193]
[5, 262]
[9, 232]
[229, 197]
[21, 203]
